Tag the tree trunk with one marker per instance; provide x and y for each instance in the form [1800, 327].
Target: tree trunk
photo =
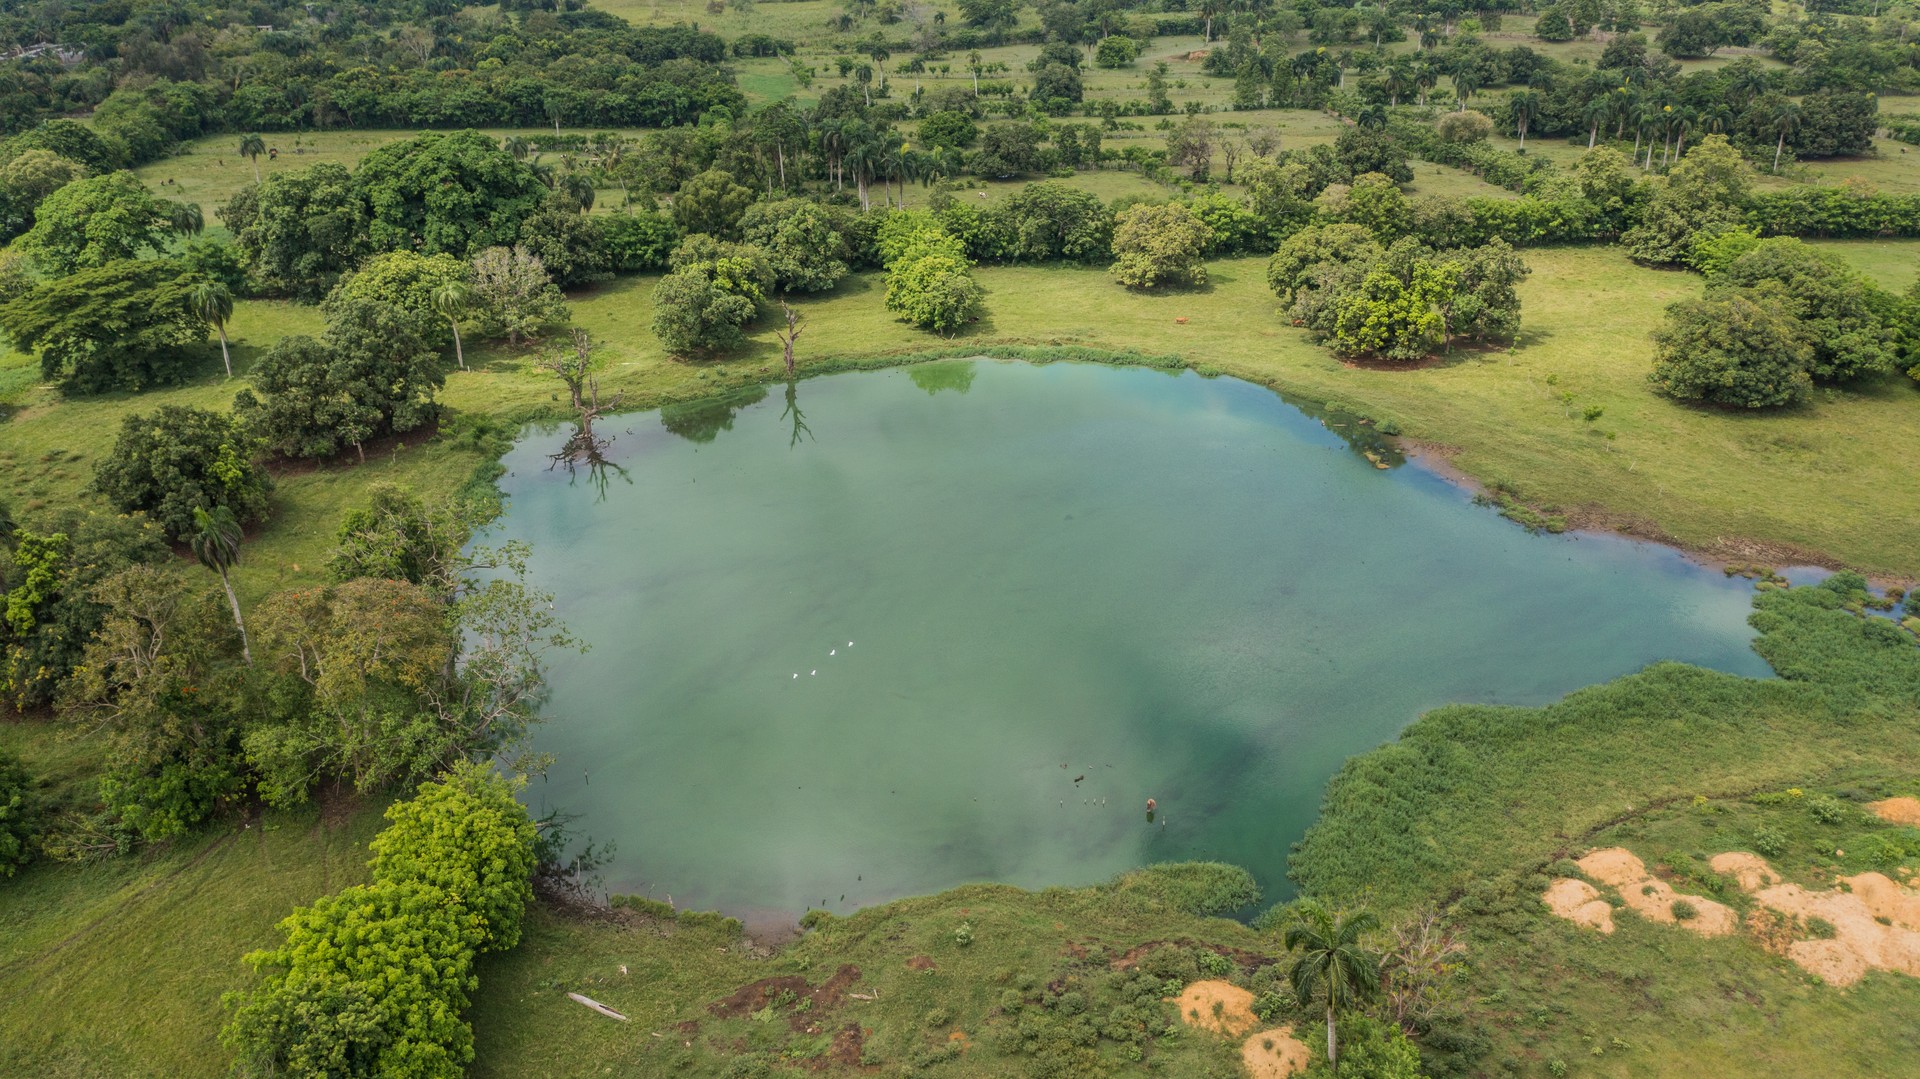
[459, 356]
[1592, 133]
[1333, 1060]
[1778, 146]
[224, 357]
[1523, 136]
[246, 651]
[255, 158]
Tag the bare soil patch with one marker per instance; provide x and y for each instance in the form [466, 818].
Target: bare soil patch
[1234, 1014]
[1750, 870]
[1580, 903]
[1653, 898]
[1898, 810]
[1275, 1054]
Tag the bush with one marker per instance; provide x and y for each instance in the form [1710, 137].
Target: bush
[934, 292]
[638, 242]
[1820, 929]
[693, 314]
[1684, 911]
[372, 981]
[1466, 125]
[180, 459]
[1116, 50]
[1770, 843]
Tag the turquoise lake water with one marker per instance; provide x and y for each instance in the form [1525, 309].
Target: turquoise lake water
[964, 621]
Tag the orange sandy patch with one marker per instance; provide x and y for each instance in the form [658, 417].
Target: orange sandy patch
[1275, 1054]
[1750, 870]
[1235, 1016]
[1580, 903]
[1652, 898]
[1898, 810]
[1860, 941]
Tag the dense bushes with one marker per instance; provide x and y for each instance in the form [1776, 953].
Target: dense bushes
[128, 324]
[1154, 245]
[1208, 889]
[929, 278]
[372, 981]
[19, 816]
[374, 372]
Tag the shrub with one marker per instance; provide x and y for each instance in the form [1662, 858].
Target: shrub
[1466, 125]
[639, 241]
[179, 459]
[1116, 50]
[1684, 911]
[1820, 929]
[19, 816]
[1770, 843]
[934, 292]
[693, 314]
[1154, 245]
[1732, 349]
[372, 981]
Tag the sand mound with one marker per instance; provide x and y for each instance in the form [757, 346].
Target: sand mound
[1580, 903]
[1275, 1054]
[1750, 870]
[1652, 898]
[1860, 941]
[1898, 810]
[1235, 1016]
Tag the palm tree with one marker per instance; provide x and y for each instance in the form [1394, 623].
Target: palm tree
[1466, 82]
[1332, 962]
[212, 303]
[1525, 105]
[579, 188]
[186, 218]
[451, 301]
[251, 147]
[216, 543]
[519, 147]
[1784, 119]
[1598, 111]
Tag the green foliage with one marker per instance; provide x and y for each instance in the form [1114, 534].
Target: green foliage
[372, 981]
[694, 315]
[1466, 125]
[1116, 51]
[1054, 220]
[1208, 889]
[713, 203]
[405, 280]
[802, 246]
[1703, 194]
[949, 128]
[514, 295]
[397, 537]
[181, 459]
[1838, 312]
[453, 192]
[20, 822]
[374, 372]
[125, 325]
[1735, 348]
[52, 610]
[639, 240]
[934, 291]
[1371, 1049]
[95, 221]
[300, 230]
[1712, 252]
[1160, 244]
[26, 180]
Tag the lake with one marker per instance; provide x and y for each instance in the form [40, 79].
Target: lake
[907, 629]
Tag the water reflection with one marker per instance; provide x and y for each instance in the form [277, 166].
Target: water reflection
[954, 375]
[800, 428]
[703, 420]
[585, 448]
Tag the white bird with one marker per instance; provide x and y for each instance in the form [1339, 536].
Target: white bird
[849, 644]
[810, 674]
[833, 651]
[796, 674]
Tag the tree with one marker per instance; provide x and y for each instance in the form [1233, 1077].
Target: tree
[933, 290]
[1485, 303]
[372, 373]
[712, 203]
[451, 301]
[213, 303]
[1784, 118]
[1524, 105]
[405, 280]
[513, 295]
[1294, 269]
[125, 325]
[1116, 51]
[795, 324]
[1732, 349]
[1703, 193]
[1332, 961]
[179, 459]
[398, 537]
[300, 230]
[693, 314]
[94, 221]
[1191, 145]
[1553, 25]
[1838, 310]
[1393, 315]
[26, 181]
[456, 192]
[1464, 125]
[20, 823]
[251, 147]
[216, 543]
[1153, 245]
[801, 243]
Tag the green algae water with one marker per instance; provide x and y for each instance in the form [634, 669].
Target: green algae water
[914, 628]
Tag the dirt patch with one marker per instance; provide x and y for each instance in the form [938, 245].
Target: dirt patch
[1234, 1015]
[1275, 1054]
[1652, 898]
[1246, 960]
[1860, 941]
[920, 962]
[848, 1043]
[752, 997]
[1898, 811]
[1580, 903]
[1750, 870]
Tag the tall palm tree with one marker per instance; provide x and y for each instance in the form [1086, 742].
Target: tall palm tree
[251, 147]
[519, 147]
[212, 303]
[1784, 119]
[1466, 82]
[579, 188]
[451, 301]
[1332, 962]
[216, 543]
[1598, 111]
[186, 218]
[1525, 105]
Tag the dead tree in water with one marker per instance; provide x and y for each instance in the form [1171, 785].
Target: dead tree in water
[574, 367]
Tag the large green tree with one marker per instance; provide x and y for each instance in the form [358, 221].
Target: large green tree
[1333, 961]
[180, 459]
[1735, 348]
[126, 325]
[801, 241]
[300, 230]
[1840, 312]
[1155, 245]
[373, 372]
[456, 192]
[97, 220]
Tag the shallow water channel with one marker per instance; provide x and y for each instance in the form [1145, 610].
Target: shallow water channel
[960, 621]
